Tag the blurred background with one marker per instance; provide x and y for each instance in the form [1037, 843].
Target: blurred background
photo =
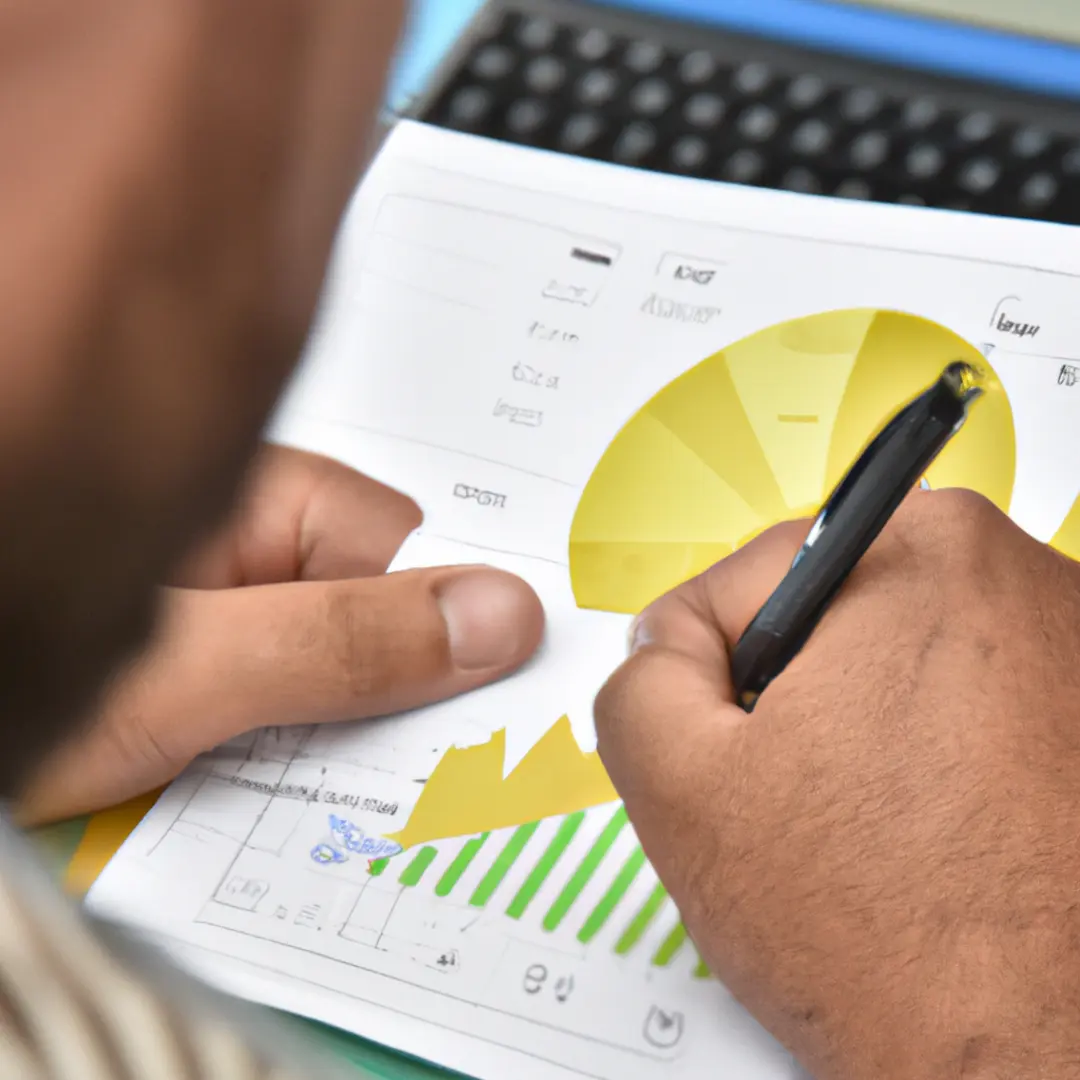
[964, 105]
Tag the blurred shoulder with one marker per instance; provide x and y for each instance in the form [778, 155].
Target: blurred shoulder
[79, 999]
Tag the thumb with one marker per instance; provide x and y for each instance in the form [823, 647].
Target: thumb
[227, 662]
[318, 652]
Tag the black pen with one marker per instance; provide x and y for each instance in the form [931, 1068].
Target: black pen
[853, 516]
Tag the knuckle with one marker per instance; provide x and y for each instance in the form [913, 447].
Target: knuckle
[377, 644]
[952, 522]
[615, 703]
[783, 536]
[402, 509]
[791, 533]
[136, 741]
[608, 706]
[355, 653]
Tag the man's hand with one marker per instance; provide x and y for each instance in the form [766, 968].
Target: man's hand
[288, 617]
[882, 860]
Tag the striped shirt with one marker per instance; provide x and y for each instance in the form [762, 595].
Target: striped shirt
[81, 1001]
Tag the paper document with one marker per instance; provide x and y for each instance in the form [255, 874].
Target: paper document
[604, 381]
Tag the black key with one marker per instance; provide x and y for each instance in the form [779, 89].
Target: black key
[545, 74]
[581, 131]
[911, 200]
[527, 116]
[651, 97]
[643, 57]
[980, 176]
[1030, 142]
[593, 45]
[801, 179]
[806, 91]
[861, 104]
[869, 150]
[470, 106]
[752, 79]
[1039, 191]
[854, 188]
[493, 62]
[977, 127]
[697, 67]
[690, 153]
[704, 110]
[812, 138]
[920, 114]
[925, 161]
[597, 87]
[758, 123]
[963, 205]
[635, 143]
[743, 167]
[537, 33]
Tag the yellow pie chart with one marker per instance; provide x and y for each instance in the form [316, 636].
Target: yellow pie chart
[760, 433]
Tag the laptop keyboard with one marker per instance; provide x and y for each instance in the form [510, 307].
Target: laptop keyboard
[595, 82]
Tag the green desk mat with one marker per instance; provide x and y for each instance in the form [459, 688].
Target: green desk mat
[58, 843]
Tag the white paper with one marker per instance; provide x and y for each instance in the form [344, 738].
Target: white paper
[464, 355]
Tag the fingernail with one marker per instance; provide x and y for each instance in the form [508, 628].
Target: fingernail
[490, 618]
[638, 636]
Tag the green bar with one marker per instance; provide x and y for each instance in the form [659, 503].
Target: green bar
[641, 921]
[535, 881]
[702, 970]
[611, 898]
[412, 873]
[672, 944]
[378, 866]
[572, 889]
[501, 867]
[460, 865]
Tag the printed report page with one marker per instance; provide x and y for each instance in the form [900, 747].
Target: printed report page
[601, 380]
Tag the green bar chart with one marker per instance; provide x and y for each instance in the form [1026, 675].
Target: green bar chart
[414, 872]
[610, 900]
[534, 882]
[642, 920]
[671, 946]
[460, 864]
[503, 864]
[630, 925]
[583, 874]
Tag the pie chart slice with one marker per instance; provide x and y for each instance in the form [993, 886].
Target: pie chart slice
[901, 356]
[760, 433]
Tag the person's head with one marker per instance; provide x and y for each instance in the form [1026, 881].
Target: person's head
[174, 174]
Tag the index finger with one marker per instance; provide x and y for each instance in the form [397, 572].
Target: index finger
[672, 705]
[303, 517]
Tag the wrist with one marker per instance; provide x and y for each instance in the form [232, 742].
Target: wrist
[1006, 1042]
[992, 1031]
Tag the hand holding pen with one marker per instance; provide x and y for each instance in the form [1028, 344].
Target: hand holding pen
[853, 516]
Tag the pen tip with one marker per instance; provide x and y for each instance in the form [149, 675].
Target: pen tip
[964, 380]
